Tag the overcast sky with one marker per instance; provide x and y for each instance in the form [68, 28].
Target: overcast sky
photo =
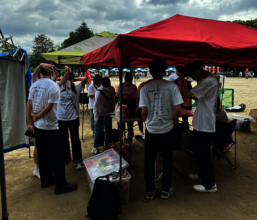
[24, 19]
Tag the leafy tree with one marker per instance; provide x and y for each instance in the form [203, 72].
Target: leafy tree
[42, 44]
[83, 32]
[249, 23]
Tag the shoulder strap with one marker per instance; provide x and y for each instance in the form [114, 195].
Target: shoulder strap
[105, 96]
[95, 86]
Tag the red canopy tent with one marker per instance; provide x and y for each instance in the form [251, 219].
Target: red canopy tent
[179, 40]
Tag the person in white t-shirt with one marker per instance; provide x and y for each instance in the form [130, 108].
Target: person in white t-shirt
[48, 65]
[91, 94]
[206, 93]
[41, 116]
[160, 101]
[129, 92]
[68, 118]
[104, 105]
[252, 75]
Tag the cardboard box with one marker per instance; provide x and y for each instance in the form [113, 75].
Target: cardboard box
[253, 113]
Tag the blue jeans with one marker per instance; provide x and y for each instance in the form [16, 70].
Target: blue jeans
[103, 131]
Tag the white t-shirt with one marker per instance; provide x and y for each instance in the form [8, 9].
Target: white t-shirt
[160, 97]
[221, 116]
[42, 92]
[102, 106]
[91, 91]
[206, 92]
[173, 77]
[68, 99]
[132, 90]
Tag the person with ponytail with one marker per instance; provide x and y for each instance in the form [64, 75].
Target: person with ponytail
[68, 117]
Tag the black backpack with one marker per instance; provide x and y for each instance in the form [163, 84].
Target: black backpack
[104, 203]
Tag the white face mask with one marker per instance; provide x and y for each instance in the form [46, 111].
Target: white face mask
[53, 77]
[106, 88]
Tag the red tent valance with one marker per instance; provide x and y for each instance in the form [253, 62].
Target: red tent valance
[179, 40]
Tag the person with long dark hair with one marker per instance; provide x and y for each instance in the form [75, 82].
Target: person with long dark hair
[68, 118]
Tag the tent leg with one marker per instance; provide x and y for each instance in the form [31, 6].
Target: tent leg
[83, 113]
[2, 175]
[120, 137]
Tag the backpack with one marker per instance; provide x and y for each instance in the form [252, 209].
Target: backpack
[104, 203]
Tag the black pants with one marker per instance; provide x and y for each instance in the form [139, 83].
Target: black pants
[203, 142]
[130, 126]
[140, 123]
[153, 144]
[51, 157]
[73, 127]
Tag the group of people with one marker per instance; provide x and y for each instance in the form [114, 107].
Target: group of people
[247, 74]
[159, 104]
[52, 114]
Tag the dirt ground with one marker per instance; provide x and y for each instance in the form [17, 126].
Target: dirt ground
[235, 199]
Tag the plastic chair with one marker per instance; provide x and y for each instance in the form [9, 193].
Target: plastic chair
[223, 141]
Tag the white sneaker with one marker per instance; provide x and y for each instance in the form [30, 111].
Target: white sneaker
[143, 135]
[201, 188]
[79, 166]
[166, 195]
[36, 173]
[194, 177]
[95, 151]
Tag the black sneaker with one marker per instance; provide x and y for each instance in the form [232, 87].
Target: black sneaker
[66, 188]
[166, 195]
[151, 195]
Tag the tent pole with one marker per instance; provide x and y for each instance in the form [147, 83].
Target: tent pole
[120, 136]
[2, 175]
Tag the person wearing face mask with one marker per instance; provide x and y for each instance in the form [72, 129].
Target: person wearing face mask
[129, 93]
[91, 94]
[104, 105]
[68, 117]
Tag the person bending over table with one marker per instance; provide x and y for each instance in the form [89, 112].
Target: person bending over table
[129, 93]
[104, 105]
[187, 105]
[158, 100]
[205, 93]
[91, 94]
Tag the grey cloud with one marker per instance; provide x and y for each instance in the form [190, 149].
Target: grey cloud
[165, 2]
[24, 19]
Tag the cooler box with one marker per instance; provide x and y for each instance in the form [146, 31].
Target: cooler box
[105, 164]
[243, 122]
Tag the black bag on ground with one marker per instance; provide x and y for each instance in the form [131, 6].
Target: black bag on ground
[104, 203]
